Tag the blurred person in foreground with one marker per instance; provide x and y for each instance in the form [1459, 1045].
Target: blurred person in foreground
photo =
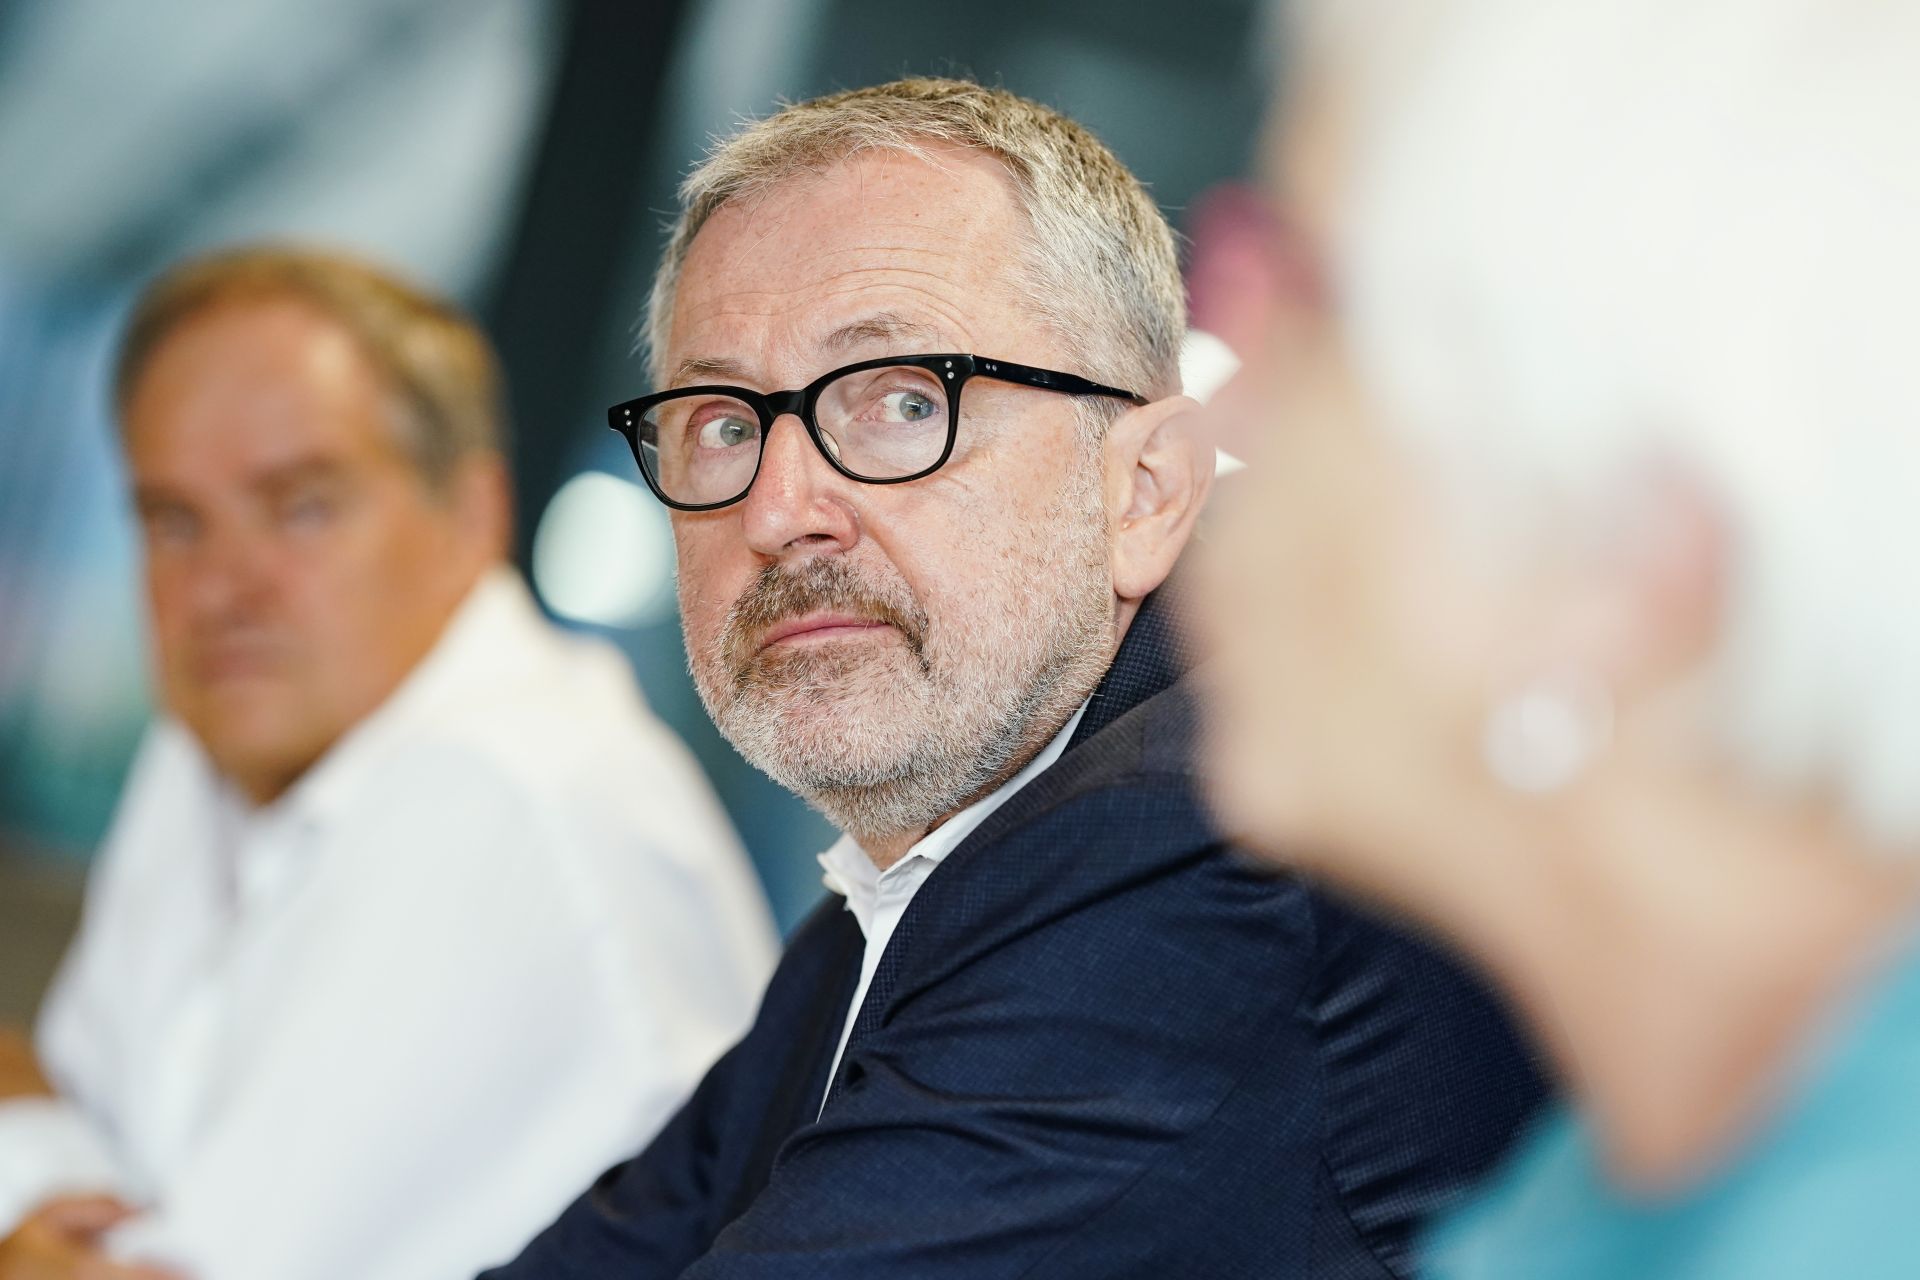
[412, 916]
[921, 426]
[1582, 411]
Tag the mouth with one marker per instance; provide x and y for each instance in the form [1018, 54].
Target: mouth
[819, 628]
[230, 663]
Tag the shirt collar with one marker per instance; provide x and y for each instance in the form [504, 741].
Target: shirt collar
[849, 872]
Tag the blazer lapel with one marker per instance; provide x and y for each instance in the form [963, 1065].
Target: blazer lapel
[1153, 655]
[796, 1090]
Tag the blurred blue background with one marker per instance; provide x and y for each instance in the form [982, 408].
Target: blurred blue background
[521, 156]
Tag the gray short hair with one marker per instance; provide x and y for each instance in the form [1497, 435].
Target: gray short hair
[1105, 276]
[439, 366]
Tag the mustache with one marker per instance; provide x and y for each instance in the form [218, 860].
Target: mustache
[822, 585]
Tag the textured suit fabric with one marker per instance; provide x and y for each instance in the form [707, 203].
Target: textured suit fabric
[1099, 1044]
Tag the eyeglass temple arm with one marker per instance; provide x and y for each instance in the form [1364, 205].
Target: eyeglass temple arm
[1049, 379]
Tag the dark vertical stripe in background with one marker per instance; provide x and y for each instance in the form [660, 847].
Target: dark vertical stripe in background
[554, 301]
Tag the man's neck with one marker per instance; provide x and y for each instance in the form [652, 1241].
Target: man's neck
[886, 849]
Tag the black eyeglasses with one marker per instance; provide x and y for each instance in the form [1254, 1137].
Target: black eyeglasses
[882, 421]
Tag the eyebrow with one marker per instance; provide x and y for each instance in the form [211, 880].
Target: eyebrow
[290, 475]
[887, 326]
[882, 327]
[703, 368]
[272, 480]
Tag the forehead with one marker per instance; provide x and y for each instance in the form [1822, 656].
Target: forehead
[251, 381]
[937, 242]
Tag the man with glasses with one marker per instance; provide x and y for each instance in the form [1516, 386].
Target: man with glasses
[919, 423]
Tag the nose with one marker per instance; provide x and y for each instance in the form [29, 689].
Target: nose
[229, 574]
[799, 506]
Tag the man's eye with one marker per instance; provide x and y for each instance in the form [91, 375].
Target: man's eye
[729, 432]
[908, 406]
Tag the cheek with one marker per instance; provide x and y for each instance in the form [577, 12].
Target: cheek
[166, 588]
[1238, 417]
[710, 574]
[1286, 571]
[1306, 567]
[978, 575]
[170, 634]
[376, 588]
[347, 581]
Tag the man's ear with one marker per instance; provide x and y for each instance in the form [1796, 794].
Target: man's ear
[1159, 470]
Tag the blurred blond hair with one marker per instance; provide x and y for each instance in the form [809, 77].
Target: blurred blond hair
[440, 368]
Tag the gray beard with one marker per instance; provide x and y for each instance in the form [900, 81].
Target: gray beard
[895, 742]
[945, 768]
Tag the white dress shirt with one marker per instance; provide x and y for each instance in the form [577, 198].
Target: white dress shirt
[388, 1026]
[878, 898]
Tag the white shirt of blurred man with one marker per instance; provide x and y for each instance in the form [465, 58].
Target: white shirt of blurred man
[412, 918]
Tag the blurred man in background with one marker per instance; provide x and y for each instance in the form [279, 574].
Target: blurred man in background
[922, 429]
[412, 917]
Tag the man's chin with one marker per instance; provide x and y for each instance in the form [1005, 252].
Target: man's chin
[838, 733]
[254, 728]
[852, 679]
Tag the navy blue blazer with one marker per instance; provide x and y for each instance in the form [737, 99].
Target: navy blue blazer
[1099, 1044]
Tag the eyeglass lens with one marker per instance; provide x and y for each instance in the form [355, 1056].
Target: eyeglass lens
[877, 424]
